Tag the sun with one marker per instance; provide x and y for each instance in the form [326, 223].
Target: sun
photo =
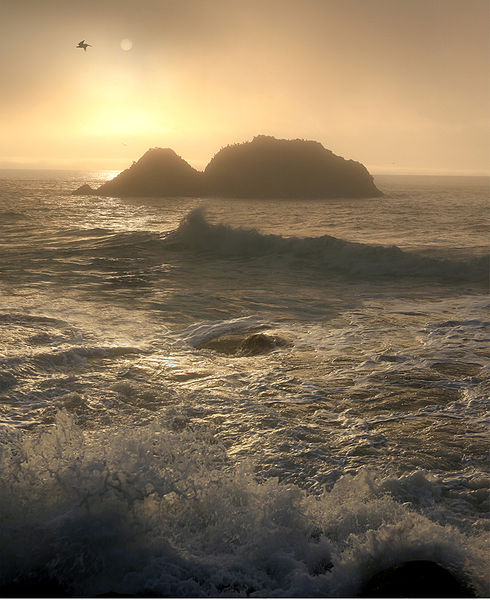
[126, 44]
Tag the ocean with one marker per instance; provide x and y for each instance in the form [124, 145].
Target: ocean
[216, 397]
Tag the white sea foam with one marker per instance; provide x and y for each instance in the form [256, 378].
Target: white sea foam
[151, 510]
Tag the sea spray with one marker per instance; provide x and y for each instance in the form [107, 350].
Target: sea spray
[148, 510]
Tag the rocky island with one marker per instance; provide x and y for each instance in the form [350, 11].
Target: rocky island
[159, 172]
[266, 167]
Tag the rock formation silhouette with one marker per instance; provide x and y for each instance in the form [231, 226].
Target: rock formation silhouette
[266, 167]
[270, 168]
[159, 172]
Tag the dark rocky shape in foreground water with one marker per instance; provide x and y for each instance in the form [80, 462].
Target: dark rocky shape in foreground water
[415, 579]
[271, 168]
[259, 343]
[159, 172]
[263, 168]
[245, 344]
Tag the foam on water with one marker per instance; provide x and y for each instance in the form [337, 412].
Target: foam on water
[150, 510]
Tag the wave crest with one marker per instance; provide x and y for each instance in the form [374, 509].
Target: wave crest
[326, 253]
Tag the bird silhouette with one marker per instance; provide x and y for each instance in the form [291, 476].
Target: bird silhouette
[83, 45]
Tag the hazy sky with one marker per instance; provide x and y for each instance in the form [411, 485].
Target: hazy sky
[400, 85]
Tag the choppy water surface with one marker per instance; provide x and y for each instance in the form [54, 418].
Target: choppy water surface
[146, 449]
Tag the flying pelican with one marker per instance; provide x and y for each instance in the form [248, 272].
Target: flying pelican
[83, 45]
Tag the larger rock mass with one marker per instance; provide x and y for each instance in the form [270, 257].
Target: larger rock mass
[271, 168]
[263, 168]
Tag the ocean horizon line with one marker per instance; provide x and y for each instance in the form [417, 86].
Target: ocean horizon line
[373, 171]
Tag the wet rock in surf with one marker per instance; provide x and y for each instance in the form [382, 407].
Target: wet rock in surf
[415, 579]
[259, 343]
[236, 344]
[224, 344]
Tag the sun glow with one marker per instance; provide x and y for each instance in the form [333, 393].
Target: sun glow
[121, 121]
[115, 106]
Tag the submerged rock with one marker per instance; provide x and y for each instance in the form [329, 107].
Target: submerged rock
[266, 167]
[415, 579]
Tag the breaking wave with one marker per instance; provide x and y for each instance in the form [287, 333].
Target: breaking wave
[198, 237]
[148, 511]
[326, 253]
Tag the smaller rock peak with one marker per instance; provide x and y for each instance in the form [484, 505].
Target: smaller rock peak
[159, 157]
[159, 153]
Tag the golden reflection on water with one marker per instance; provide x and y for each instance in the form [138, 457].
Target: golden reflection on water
[106, 175]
